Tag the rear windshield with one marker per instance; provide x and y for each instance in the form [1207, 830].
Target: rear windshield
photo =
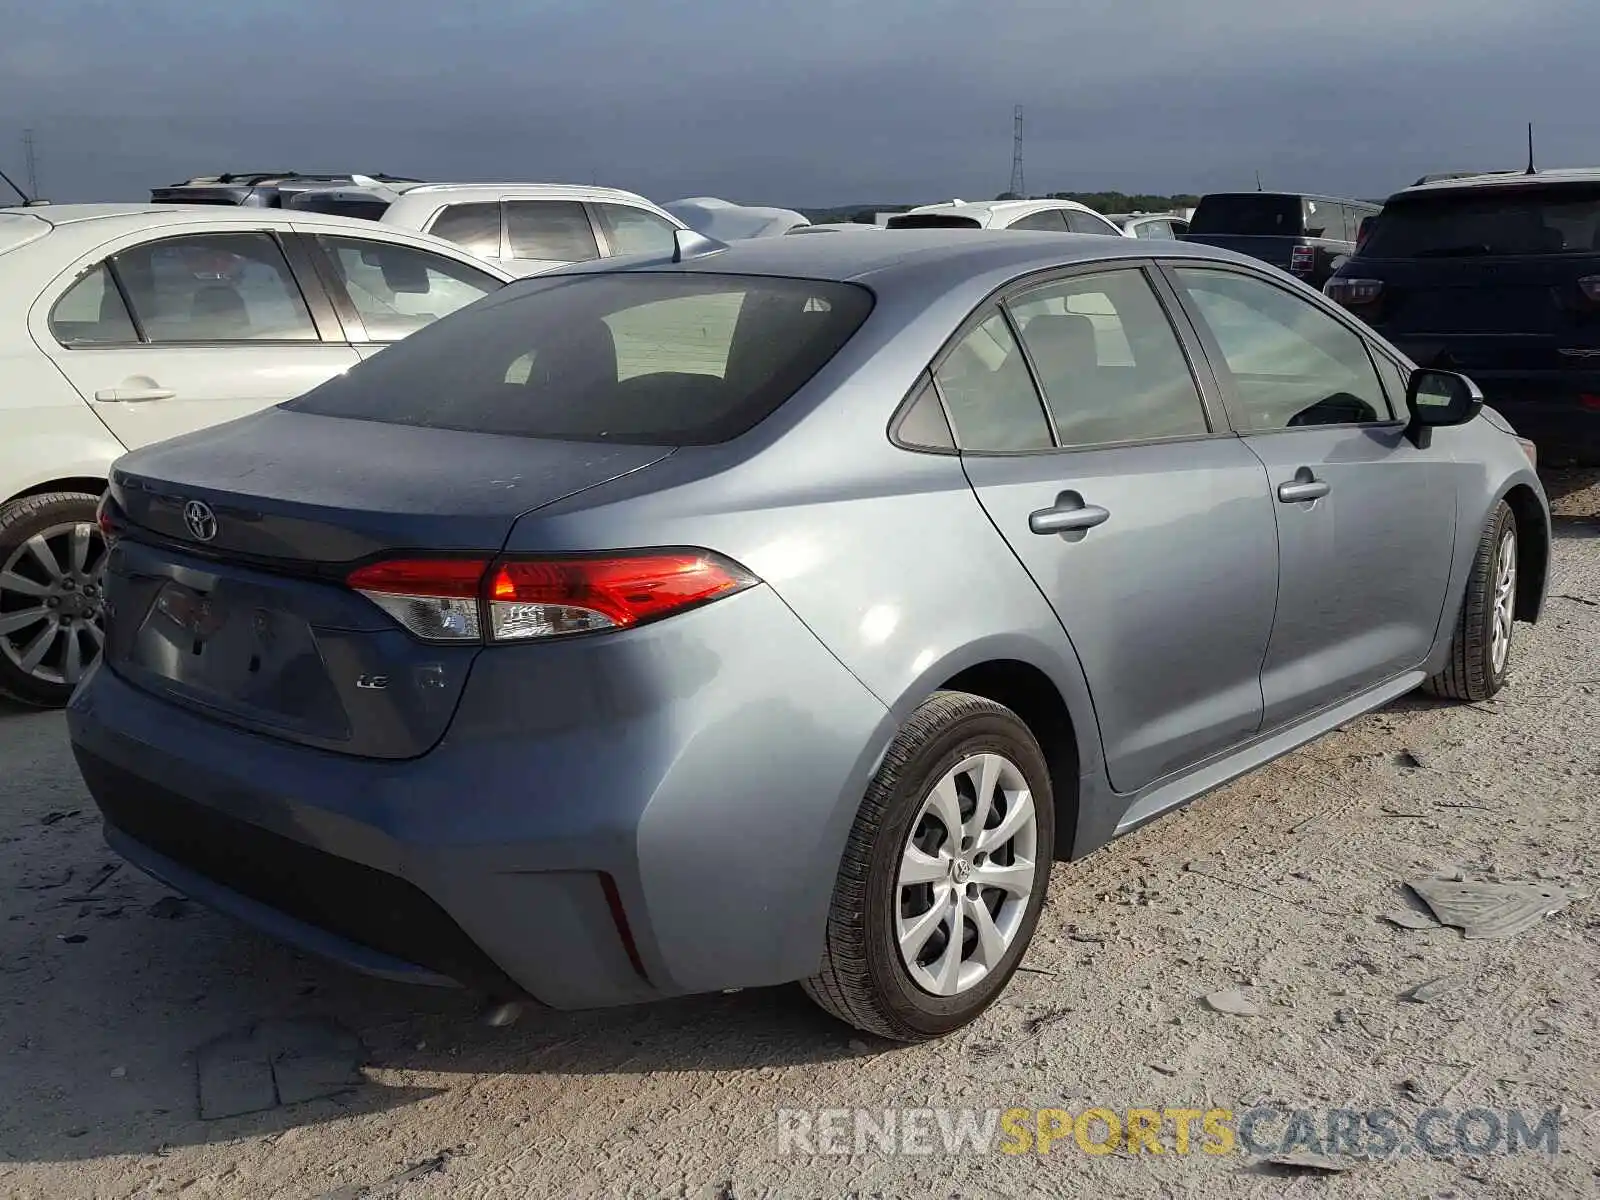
[664, 359]
[933, 221]
[1247, 214]
[346, 206]
[1502, 220]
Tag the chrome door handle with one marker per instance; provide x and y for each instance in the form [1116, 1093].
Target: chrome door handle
[1303, 489]
[132, 395]
[1067, 518]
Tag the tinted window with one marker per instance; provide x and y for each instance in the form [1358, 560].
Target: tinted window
[222, 287]
[635, 231]
[1247, 214]
[1082, 222]
[396, 290]
[1291, 363]
[924, 424]
[1511, 220]
[1049, 218]
[989, 393]
[550, 229]
[1323, 219]
[92, 312]
[654, 359]
[474, 227]
[1108, 360]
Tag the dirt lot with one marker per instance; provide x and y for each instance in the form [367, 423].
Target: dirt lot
[1272, 886]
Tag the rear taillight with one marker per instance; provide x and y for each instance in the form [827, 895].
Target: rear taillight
[105, 517]
[1303, 260]
[1353, 292]
[518, 598]
[1589, 285]
[434, 598]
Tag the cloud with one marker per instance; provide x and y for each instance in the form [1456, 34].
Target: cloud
[823, 103]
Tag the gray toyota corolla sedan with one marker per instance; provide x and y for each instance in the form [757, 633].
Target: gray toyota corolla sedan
[780, 612]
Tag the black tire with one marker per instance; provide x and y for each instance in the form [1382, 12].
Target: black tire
[19, 521]
[863, 980]
[1471, 673]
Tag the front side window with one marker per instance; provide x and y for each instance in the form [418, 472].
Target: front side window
[635, 231]
[668, 359]
[1291, 364]
[396, 290]
[989, 393]
[1111, 366]
[214, 287]
[473, 227]
[92, 313]
[556, 230]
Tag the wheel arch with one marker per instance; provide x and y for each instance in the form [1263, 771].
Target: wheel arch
[88, 484]
[1533, 550]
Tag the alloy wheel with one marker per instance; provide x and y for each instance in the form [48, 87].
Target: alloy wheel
[51, 603]
[966, 872]
[1505, 601]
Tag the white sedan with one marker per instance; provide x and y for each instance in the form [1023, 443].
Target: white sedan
[122, 325]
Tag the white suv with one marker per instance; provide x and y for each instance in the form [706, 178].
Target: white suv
[525, 227]
[1057, 216]
[122, 325]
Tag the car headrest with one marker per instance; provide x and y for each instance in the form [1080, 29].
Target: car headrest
[1061, 342]
[220, 308]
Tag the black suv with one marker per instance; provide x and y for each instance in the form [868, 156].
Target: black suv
[1306, 235]
[1498, 277]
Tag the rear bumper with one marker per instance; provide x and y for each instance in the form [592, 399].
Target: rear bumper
[608, 820]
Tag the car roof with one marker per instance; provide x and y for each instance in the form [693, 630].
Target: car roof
[999, 206]
[573, 190]
[935, 257]
[158, 214]
[1298, 196]
[1558, 177]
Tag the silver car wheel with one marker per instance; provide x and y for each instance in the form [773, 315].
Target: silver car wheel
[966, 872]
[1505, 602]
[51, 603]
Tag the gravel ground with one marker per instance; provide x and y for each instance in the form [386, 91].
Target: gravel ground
[1272, 887]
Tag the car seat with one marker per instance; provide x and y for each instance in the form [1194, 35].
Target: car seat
[218, 312]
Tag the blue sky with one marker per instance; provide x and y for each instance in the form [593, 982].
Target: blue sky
[802, 104]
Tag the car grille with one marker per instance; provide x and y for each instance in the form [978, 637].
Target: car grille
[359, 903]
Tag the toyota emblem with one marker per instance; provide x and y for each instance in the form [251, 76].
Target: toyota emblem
[202, 522]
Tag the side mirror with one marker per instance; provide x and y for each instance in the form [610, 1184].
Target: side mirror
[1438, 398]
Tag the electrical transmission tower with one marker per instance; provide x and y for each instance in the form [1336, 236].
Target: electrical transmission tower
[32, 161]
[1019, 187]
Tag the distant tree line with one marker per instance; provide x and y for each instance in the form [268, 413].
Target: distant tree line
[1103, 202]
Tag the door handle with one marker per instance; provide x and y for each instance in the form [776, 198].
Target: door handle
[134, 395]
[1069, 514]
[1303, 489]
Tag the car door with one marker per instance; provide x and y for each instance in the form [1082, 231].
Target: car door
[190, 330]
[1143, 521]
[1365, 519]
[629, 229]
[385, 290]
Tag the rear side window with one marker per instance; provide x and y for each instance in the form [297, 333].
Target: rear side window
[665, 359]
[986, 386]
[1247, 214]
[92, 313]
[1049, 218]
[550, 229]
[1490, 221]
[473, 227]
[214, 287]
[1323, 219]
[635, 231]
[1082, 222]
[1108, 360]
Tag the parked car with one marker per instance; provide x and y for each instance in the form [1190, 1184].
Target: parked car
[1303, 234]
[1150, 225]
[121, 325]
[1057, 216]
[259, 189]
[525, 227]
[781, 612]
[1497, 276]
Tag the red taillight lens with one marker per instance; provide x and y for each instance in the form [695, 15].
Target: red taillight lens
[534, 598]
[1303, 260]
[434, 598]
[1589, 401]
[442, 599]
[1353, 292]
[104, 518]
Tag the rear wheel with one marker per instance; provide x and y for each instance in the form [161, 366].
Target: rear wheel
[1480, 650]
[51, 559]
[944, 875]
